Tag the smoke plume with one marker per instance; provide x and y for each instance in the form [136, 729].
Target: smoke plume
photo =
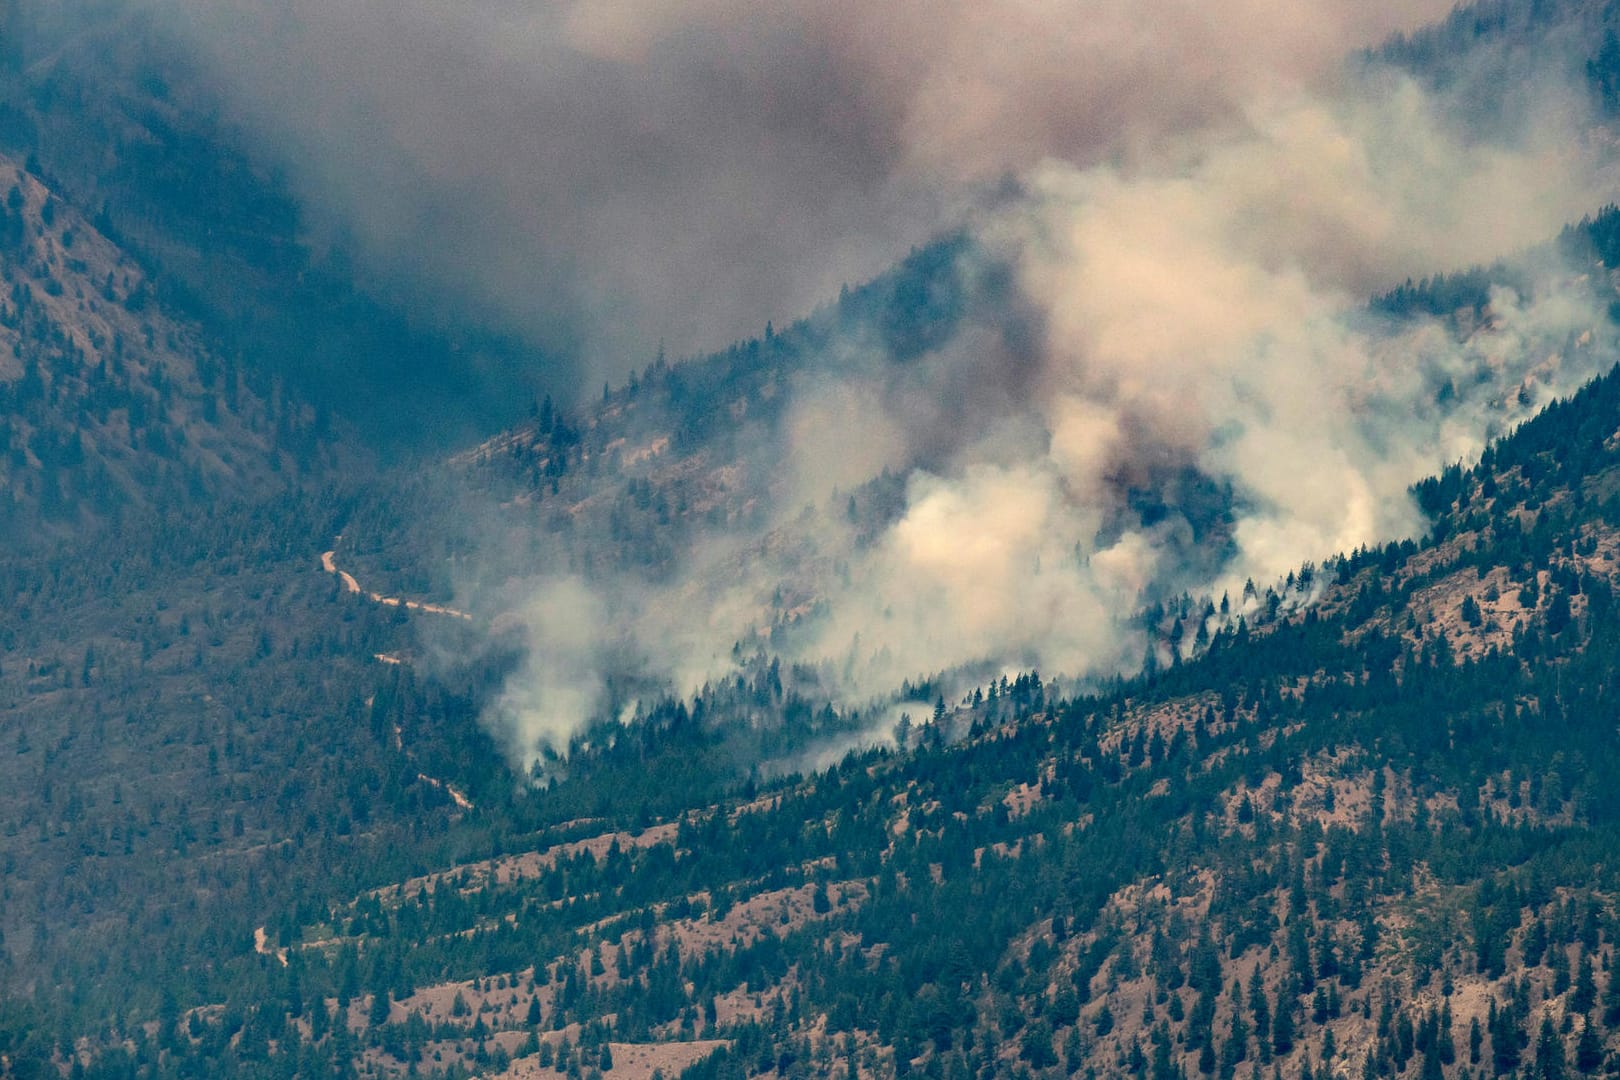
[1180, 387]
[1205, 399]
[607, 175]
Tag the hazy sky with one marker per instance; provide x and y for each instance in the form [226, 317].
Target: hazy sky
[621, 171]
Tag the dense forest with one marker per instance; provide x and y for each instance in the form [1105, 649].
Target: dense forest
[252, 830]
[1359, 822]
[1374, 835]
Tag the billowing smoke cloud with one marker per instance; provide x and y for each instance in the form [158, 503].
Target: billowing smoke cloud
[1194, 203]
[610, 173]
[1201, 337]
[1202, 312]
[1205, 317]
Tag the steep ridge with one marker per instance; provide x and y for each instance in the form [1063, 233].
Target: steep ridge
[107, 401]
[1364, 836]
[111, 108]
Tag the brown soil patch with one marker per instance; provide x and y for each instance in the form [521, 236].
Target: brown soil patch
[631, 1061]
[508, 868]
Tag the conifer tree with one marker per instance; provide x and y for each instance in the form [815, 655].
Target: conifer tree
[1549, 1063]
[1588, 1049]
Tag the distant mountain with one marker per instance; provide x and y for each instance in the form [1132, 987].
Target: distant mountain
[107, 401]
[120, 121]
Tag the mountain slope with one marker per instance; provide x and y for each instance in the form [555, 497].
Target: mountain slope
[1404, 841]
[109, 402]
[257, 820]
[123, 122]
[1342, 839]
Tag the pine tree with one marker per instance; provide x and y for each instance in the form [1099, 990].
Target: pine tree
[1558, 960]
[1589, 1049]
[1611, 1000]
[1584, 995]
[1260, 1007]
[1282, 1026]
[1549, 1052]
[1505, 1040]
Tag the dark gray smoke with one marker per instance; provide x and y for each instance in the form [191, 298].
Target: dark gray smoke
[624, 172]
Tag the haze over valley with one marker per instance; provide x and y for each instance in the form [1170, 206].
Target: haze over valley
[990, 539]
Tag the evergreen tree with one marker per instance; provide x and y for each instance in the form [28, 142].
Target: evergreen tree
[1549, 1064]
[1584, 994]
[1259, 1005]
[1589, 1049]
[1282, 1026]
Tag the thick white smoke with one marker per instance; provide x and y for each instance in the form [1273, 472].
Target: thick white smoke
[1202, 314]
[1203, 309]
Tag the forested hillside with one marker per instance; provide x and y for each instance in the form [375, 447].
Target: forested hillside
[107, 402]
[1481, 51]
[279, 796]
[254, 826]
[124, 125]
[1368, 837]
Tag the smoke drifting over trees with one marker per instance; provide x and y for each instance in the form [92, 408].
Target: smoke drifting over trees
[611, 175]
[1202, 321]
[1194, 207]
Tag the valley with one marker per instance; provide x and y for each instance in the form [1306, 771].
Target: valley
[1136, 634]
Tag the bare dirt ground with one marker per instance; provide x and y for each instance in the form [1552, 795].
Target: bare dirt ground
[262, 946]
[631, 1061]
[530, 864]
[1023, 798]
[779, 912]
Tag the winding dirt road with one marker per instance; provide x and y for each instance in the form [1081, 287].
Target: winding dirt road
[329, 564]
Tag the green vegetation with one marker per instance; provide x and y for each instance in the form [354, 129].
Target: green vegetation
[1376, 835]
[251, 825]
